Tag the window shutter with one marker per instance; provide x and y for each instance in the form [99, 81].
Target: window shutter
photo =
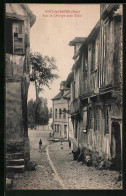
[18, 38]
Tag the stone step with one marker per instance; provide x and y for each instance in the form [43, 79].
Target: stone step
[12, 146]
[15, 162]
[15, 168]
[10, 156]
[9, 183]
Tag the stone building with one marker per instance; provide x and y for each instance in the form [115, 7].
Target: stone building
[96, 91]
[18, 21]
[61, 113]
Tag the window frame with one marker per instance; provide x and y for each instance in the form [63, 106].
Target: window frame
[59, 113]
[13, 23]
[22, 37]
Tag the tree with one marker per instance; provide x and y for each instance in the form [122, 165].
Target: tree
[50, 112]
[42, 112]
[42, 71]
[31, 113]
[42, 74]
[42, 116]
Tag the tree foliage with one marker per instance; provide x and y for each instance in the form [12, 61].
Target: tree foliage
[42, 115]
[50, 112]
[42, 74]
[43, 68]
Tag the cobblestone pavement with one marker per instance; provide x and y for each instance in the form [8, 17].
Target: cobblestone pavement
[43, 177]
[55, 165]
[76, 175]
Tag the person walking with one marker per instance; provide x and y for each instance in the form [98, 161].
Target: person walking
[40, 145]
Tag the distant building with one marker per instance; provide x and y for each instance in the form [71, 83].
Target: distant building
[96, 91]
[19, 20]
[60, 112]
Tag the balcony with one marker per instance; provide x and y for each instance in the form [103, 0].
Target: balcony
[89, 85]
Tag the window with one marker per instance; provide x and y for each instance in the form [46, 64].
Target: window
[14, 36]
[85, 120]
[59, 113]
[55, 113]
[58, 128]
[18, 38]
[64, 113]
[107, 120]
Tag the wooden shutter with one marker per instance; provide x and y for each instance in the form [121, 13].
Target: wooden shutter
[18, 37]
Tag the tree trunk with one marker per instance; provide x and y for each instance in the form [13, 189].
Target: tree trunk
[36, 88]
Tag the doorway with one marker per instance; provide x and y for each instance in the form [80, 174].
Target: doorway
[65, 131]
[116, 145]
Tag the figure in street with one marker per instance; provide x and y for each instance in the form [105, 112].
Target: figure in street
[40, 145]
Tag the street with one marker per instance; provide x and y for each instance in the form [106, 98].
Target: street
[56, 169]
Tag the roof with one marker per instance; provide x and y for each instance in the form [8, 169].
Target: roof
[30, 14]
[109, 9]
[19, 10]
[90, 37]
[77, 40]
[69, 78]
[58, 96]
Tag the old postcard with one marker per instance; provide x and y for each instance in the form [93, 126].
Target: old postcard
[64, 96]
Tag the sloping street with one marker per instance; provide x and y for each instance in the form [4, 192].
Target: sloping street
[56, 169]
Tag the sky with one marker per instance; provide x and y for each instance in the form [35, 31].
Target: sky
[55, 26]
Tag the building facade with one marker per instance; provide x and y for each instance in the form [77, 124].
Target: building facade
[96, 91]
[61, 113]
[19, 19]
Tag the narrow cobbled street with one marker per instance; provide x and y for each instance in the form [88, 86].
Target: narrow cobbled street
[43, 176]
[56, 169]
